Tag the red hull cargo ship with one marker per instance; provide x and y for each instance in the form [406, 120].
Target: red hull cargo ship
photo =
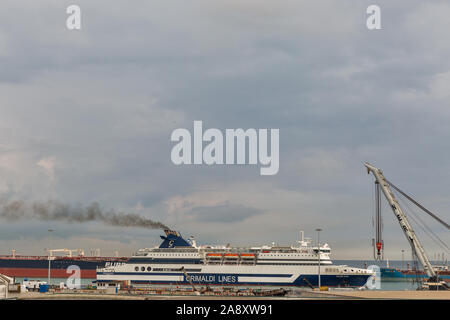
[38, 266]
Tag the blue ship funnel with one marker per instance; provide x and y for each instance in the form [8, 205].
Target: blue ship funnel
[173, 239]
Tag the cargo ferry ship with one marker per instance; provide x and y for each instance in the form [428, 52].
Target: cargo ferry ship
[413, 274]
[178, 261]
[38, 266]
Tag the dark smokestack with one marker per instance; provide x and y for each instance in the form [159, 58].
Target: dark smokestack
[55, 211]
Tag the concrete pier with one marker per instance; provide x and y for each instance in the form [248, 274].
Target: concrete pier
[308, 295]
[379, 294]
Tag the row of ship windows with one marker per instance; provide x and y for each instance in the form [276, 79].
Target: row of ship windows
[261, 257]
[287, 264]
[176, 269]
[289, 255]
[143, 268]
[261, 254]
[176, 255]
[164, 269]
[259, 263]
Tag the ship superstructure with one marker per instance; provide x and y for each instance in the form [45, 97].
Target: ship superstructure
[181, 262]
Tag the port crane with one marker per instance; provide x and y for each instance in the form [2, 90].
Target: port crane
[377, 242]
[188, 278]
[411, 236]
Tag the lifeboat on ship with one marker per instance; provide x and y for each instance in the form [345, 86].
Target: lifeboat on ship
[247, 256]
[231, 256]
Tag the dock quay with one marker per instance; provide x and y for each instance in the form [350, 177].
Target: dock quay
[390, 295]
[297, 295]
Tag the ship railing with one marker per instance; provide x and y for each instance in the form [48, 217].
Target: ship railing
[187, 249]
[228, 260]
[24, 257]
[62, 257]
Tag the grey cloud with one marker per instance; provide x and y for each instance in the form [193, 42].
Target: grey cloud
[104, 101]
[223, 213]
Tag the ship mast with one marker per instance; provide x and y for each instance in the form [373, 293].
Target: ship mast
[401, 217]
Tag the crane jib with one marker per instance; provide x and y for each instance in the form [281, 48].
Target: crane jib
[404, 223]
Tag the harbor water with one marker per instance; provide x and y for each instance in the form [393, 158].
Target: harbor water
[389, 284]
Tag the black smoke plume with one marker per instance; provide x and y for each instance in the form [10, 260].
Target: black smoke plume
[55, 211]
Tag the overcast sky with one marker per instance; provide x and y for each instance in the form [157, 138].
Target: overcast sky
[87, 116]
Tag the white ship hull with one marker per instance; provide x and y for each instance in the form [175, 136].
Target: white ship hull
[236, 275]
[178, 262]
